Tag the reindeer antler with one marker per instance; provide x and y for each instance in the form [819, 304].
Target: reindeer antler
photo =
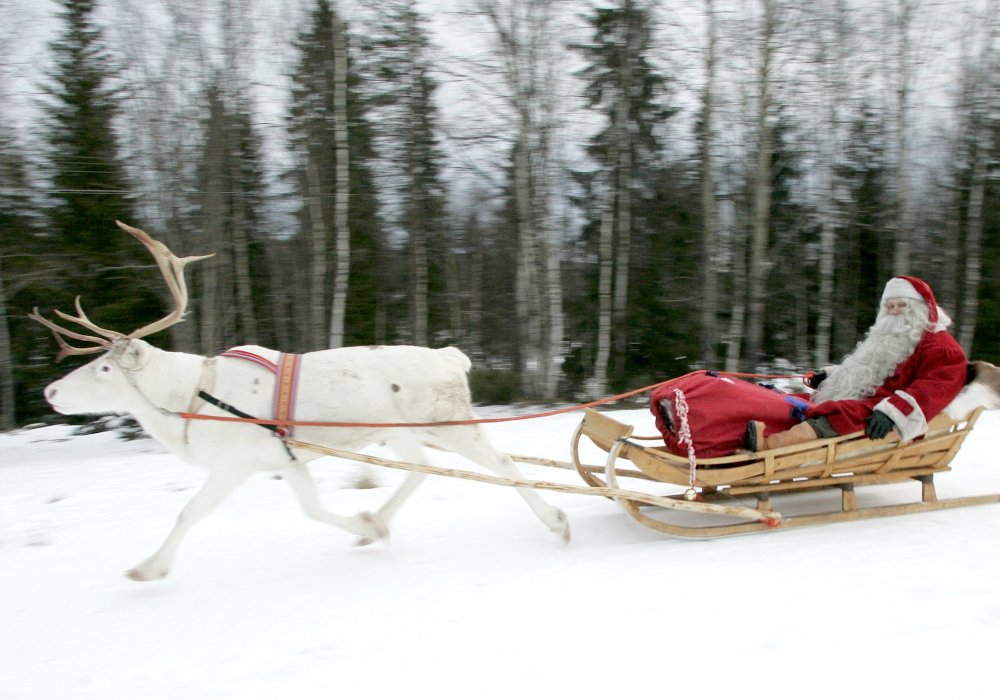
[65, 349]
[172, 269]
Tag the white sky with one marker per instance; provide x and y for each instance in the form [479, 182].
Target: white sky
[26, 26]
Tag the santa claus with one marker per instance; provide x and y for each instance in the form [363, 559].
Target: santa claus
[902, 374]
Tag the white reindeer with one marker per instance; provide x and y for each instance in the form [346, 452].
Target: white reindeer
[388, 384]
[982, 389]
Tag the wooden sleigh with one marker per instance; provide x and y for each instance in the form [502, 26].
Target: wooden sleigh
[841, 463]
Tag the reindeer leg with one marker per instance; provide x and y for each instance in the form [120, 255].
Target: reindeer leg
[389, 508]
[216, 488]
[472, 443]
[410, 451]
[301, 482]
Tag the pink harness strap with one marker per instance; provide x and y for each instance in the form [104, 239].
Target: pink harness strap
[251, 357]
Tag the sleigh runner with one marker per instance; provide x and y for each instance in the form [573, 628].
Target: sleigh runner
[841, 463]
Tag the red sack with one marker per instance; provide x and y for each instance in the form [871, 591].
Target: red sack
[718, 409]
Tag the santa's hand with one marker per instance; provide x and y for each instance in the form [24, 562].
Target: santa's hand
[814, 379]
[878, 425]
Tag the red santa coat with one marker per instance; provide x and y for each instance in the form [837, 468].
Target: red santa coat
[919, 389]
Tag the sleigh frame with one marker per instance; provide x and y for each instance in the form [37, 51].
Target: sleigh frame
[841, 464]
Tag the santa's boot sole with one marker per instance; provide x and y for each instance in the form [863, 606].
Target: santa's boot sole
[753, 439]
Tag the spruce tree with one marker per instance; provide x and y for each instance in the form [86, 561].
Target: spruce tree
[403, 91]
[21, 366]
[311, 127]
[622, 85]
[864, 260]
[792, 236]
[232, 286]
[89, 188]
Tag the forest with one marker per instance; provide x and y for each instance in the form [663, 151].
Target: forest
[585, 197]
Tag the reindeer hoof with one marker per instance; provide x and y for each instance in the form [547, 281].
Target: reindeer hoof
[370, 529]
[561, 526]
[147, 571]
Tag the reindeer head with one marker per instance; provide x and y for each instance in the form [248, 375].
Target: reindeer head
[103, 385]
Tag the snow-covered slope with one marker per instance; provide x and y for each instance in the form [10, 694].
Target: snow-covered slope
[473, 597]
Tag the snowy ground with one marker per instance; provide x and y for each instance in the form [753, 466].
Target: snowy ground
[473, 597]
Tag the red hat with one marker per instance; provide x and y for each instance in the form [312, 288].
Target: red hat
[905, 287]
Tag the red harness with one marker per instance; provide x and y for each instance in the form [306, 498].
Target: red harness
[286, 373]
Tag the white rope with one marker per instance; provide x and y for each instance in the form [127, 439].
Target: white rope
[684, 432]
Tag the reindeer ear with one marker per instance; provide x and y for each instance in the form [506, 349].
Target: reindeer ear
[135, 355]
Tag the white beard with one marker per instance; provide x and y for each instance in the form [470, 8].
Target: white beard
[889, 341]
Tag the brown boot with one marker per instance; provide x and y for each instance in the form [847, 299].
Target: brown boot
[803, 432]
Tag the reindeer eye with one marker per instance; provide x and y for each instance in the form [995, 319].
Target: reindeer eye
[105, 368]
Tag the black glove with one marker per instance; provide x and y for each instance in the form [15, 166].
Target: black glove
[878, 425]
[814, 379]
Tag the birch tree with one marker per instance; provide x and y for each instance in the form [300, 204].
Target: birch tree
[8, 411]
[900, 18]
[338, 236]
[524, 32]
[230, 204]
[12, 199]
[622, 86]
[406, 115]
[978, 144]
[832, 46]
[341, 227]
[865, 254]
[709, 206]
[759, 263]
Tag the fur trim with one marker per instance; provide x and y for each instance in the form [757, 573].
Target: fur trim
[901, 288]
[909, 426]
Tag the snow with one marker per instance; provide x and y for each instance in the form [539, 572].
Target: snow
[472, 597]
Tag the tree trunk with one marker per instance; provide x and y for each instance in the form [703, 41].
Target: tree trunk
[904, 232]
[527, 285]
[523, 35]
[342, 231]
[623, 251]
[832, 69]
[597, 386]
[8, 416]
[215, 219]
[759, 264]
[615, 251]
[554, 298]
[183, 336]
[477, 270]
[210, 341]
[458, 331]
[317, 257]
[245, 310]
[421, 282]
[738, 310]
[551, 239]
[973, 256]
[709, 240]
